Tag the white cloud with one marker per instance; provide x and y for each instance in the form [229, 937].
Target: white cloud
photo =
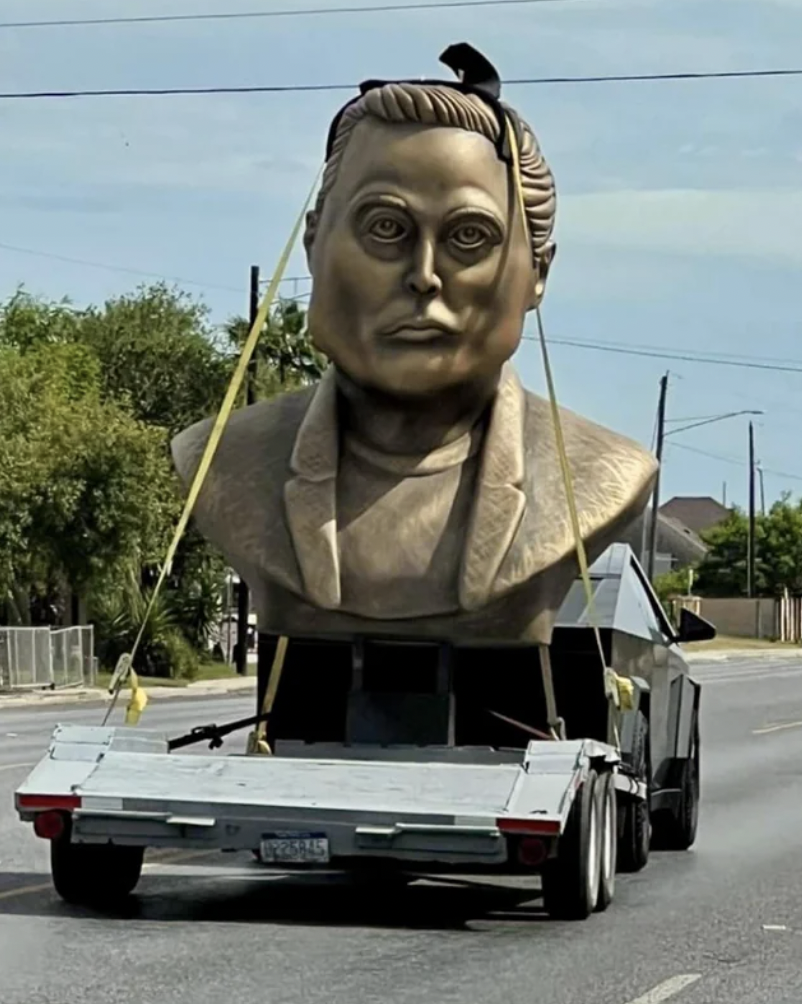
[741, 223]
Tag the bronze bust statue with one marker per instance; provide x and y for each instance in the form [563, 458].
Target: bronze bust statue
[416, 491]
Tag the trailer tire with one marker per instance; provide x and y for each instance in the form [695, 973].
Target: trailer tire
[635, 824]
[98, 875]
[571, 880]
[675, 830]
[608, 829]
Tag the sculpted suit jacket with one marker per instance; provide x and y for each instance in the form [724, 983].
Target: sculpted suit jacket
[269, 504]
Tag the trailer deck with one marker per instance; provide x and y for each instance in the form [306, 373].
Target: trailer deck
[311, 805]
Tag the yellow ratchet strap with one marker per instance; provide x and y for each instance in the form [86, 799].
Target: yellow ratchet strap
[257, 742]
[617, 689]
[138, 697]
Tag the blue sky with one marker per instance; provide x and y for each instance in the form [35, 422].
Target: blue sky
[679, 220]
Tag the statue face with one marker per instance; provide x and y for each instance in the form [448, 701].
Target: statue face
[420, 281]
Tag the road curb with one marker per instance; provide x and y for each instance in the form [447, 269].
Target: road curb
[86, 695]
[752, 654]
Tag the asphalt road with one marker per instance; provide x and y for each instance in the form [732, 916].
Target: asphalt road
[719, 925]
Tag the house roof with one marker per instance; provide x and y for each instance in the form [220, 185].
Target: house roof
[698, 513]
[673, 538]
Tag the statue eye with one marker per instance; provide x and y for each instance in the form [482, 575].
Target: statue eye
[470, 236]
[387, 229]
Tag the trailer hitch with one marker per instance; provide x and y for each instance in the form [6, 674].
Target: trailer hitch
[214, 734]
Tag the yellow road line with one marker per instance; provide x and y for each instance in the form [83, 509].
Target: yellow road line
[176, 858]
[26, 890]
[776, 728]
[14, 766]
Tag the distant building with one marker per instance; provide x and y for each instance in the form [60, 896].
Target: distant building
[697, 512]
[680, 521]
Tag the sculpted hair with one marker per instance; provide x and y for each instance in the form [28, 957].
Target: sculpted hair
[430, 104]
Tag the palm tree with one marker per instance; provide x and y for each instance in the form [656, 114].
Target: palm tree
[284, 358]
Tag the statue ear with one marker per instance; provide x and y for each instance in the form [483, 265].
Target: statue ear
[542, 267]
[312, 220]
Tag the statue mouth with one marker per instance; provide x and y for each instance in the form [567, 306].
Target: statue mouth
[418, 331]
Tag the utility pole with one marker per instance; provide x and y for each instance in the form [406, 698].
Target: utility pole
[724, 494]
[243, 596]
[762, 491]
[750, 565]
[661, 434]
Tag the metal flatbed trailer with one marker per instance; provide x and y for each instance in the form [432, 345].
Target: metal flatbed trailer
[426, 810]
[573, 811]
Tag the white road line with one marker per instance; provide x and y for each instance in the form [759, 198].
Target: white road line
[670, 988]
[776, 728]
[750, 677]
[14, 766]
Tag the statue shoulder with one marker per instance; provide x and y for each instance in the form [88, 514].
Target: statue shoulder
[240, 507]
[602, 461]
[254, 440]
[613, 477]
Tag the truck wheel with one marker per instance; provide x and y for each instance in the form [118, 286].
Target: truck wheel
[635, 826]
[94, 874]
[676, 830]
[571, 880]
[608, 823]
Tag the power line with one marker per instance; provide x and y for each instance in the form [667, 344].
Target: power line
[733, 460]
[245, 15]
[130, 271]
[677, 356]
[622, 348]
[123, 92]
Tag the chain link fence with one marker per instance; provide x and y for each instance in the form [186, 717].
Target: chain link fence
[35, 658]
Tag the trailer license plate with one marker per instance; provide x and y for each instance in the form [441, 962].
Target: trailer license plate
[294, 848]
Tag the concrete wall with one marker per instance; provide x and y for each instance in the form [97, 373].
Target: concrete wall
[742, 618]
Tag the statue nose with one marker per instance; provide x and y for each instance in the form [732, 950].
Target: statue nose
[422, 278]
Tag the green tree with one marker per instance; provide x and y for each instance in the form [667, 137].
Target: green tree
[158, 353]
[84, 488]
[778, 553]
[88, 497]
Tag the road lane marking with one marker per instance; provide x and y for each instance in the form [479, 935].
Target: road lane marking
[26, 890]
[749, 677]
[776, 728]
[30, 890]
[15, 766]
[669, 988]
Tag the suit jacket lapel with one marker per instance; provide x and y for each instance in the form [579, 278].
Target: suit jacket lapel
[500, 502]
[310, 497]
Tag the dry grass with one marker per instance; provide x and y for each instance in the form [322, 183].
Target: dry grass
[729, 643]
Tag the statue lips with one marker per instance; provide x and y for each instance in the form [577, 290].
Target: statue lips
[418, 331]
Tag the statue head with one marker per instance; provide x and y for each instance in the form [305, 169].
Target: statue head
[422, 269]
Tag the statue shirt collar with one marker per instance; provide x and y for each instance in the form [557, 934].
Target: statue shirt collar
[310, 496]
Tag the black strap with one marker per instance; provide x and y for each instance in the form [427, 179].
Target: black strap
[477, 76]
[473, 69]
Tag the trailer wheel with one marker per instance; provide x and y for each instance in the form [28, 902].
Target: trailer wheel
[608, 823]
[571, 880]
[676, 830]
[98, 875]
[635, 825]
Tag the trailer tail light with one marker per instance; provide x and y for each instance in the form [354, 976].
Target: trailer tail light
[511, 827]
[64, 803]
[532, 852]
[50, 825]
